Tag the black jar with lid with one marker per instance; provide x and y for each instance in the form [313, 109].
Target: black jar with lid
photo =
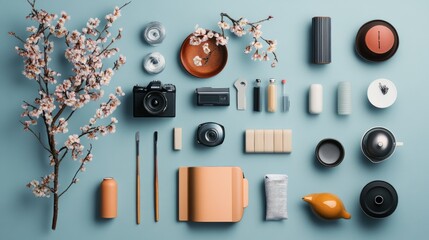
[378, 199]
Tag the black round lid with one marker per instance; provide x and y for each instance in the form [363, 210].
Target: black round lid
[378, 199]
[378, 143]
[377, 41]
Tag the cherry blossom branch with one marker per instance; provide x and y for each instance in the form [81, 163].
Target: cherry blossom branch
[49, 187]
[39, 81]
[58, 114]
[72, 93]
[107, 25]
[45, 68]
[237, 27]
[74, 179]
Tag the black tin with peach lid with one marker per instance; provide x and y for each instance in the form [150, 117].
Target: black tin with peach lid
[377, 41]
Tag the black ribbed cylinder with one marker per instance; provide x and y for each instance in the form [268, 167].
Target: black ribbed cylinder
[321, 40]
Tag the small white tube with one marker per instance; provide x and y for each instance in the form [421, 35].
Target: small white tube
[315, 101]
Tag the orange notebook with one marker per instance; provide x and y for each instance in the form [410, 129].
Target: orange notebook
[212, 194]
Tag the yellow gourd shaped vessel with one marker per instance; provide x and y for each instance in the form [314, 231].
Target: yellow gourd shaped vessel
[327, 205]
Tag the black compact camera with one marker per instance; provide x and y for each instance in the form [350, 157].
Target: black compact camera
[154, 100]
[208, 96]
[210, 134]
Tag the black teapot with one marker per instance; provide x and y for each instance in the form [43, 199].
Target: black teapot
[378, 144]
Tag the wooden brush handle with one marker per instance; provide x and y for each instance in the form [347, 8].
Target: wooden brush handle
[156, 194]
[138, 200]
[138, 191]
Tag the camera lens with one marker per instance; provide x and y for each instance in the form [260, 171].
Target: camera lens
[155, 103]
[211, 135]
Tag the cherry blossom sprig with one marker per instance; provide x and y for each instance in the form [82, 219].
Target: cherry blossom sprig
[59, 98]
[239, 27]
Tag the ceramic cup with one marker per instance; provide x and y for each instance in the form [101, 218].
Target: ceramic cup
[378, 144]
[330, 152]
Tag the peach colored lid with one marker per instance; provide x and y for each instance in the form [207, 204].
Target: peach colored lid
[379, 39]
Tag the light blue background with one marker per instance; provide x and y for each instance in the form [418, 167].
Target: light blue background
[23, 216]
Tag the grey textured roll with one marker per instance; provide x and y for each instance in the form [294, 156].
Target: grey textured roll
[154, 33]
[154, 63]
[344, 100]
[321, 40]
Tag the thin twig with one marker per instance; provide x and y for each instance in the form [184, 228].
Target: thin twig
[125, 5]
[72, 181]
[30, 105]
[38, 138]
[32, 3]
[17, 37]
[76, 173]
[70, 115]
[50, 188]
[62, 157]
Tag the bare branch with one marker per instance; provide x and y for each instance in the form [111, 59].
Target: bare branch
[32, 3]
[63, 107]
[31, 105]
[72, 181]
[38, 138]
[76, 173]
[124, 5]
[62, 157]
[17, 37]
[70, 115]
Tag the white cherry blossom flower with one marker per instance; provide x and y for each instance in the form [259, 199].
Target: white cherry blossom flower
[206, 48]
[197, 61]
[243, 22]
[199, 31]
[119, 91]
[221, 40]
[194, 40]
[257, 45]
[210, 34]
[223, 25]
[247, 49]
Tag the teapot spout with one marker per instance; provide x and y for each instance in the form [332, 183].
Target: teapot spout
[308, 198]
[346, 215]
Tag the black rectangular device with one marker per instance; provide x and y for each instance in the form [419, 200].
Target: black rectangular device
[208, 96]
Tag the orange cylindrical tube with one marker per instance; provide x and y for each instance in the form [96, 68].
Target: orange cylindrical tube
[109, 198]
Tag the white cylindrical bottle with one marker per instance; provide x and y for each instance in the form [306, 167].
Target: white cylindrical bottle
[272, 96]
[315, 101]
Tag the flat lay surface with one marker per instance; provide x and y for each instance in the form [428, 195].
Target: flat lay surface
[22, 216]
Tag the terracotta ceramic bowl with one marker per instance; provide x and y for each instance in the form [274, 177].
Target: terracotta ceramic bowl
[210, 68]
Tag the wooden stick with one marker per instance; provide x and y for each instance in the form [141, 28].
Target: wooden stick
[138, 178]
[156, 187]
